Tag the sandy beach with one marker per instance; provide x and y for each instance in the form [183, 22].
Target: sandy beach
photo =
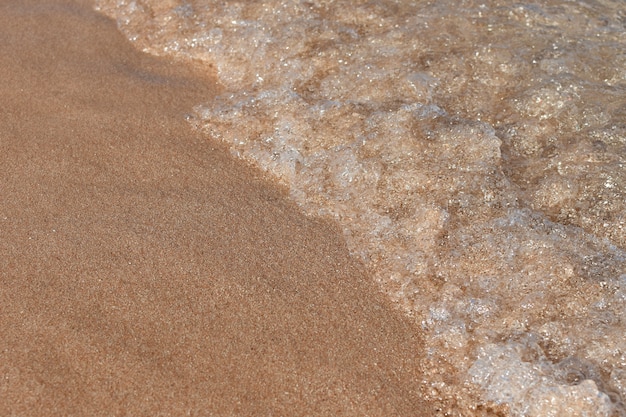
[143, 271]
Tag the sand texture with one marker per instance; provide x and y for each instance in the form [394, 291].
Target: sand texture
[145, 272]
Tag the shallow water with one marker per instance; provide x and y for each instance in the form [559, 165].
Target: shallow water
[472, 152]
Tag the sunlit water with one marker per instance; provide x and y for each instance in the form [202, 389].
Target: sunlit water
[472, 151]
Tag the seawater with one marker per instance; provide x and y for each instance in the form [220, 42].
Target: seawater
[472, 151]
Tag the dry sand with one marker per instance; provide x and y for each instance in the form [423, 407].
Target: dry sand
[144, 272]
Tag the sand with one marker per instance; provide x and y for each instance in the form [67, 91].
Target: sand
[143, 271]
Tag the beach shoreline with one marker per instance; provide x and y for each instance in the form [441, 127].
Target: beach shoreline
[143, 271]
[472, 156]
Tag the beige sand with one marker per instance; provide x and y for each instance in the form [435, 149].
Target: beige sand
[144, 272]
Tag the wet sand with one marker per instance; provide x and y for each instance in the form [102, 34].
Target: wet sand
[143, 271]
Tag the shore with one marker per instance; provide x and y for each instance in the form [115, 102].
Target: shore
[143, 271]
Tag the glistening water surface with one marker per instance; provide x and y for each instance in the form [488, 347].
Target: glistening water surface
[472, 151]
